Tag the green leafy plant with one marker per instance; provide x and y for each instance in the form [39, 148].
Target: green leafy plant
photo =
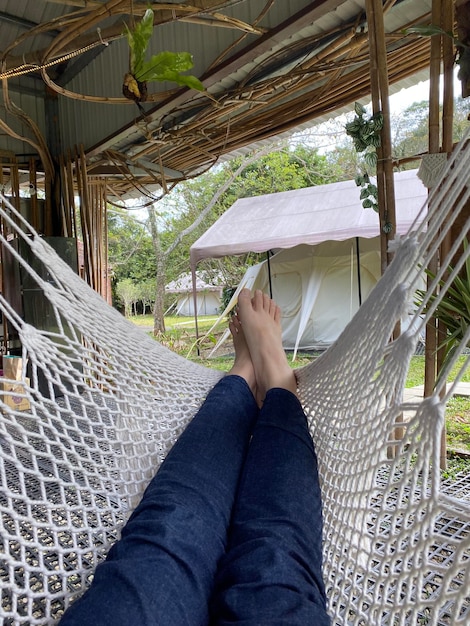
[227, 293]
[365, 133]
[462, 58]
[453, 308]
[369, 192]
[162, 66]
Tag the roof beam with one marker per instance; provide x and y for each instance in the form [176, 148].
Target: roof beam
[22, 22]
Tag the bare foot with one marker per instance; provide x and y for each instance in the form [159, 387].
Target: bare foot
[243, 365]
[261, 320]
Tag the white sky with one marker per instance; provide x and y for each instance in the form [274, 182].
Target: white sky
[406, 97]
[417, 93]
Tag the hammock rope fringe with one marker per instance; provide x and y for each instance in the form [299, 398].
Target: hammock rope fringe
[105, 403]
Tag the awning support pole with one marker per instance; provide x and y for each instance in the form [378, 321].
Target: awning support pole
[359, 288]
[268, 259]
[193, 276]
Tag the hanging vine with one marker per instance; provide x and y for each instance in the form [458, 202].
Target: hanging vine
[365, 133]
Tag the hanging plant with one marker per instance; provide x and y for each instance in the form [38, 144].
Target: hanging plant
[462, 42]
[163, 66]
[365, 133]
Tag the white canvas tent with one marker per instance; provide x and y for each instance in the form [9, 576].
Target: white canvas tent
[208, 295]
[327, 251]
[319, 288]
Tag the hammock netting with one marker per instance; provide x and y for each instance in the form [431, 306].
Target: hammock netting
[106, 403]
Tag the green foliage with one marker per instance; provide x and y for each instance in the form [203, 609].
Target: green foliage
[453, 308]
[411, 128]
[416, 371]
[279, 170]
[163, 66]
[455, 465]
[458, 423]
[127, 293]
[365, 133]
[227, 293]
[428, 31]
[369, 192]
[130, 248]
[146, 292]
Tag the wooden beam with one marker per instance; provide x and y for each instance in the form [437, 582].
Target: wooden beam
[380, 104]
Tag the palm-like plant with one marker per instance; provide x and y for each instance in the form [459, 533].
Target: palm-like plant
[163, 66]
[453, 308]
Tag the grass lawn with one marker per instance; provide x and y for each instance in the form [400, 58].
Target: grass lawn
[416, 372]
[180, 336]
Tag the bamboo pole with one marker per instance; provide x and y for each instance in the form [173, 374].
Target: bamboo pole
[4, 347]
[385, 181]
[67, 200]
[380, 103]
[105, 244]
[35, 223]
[376, 108]
[431, 342]
[447, 23]
[71, 193]
[64, 200]
[84, 216]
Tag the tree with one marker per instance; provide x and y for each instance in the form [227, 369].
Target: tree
[130, 247]
[410, 129]
[128, 294]
[147, 294]
[162, 255]
[178, 221]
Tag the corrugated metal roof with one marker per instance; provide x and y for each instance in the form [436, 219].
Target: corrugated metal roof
[284, 70]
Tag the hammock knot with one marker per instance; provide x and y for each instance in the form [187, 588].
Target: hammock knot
[410, 242]
[407, 342]
[27, 333]
[395, 243]
[434, 408]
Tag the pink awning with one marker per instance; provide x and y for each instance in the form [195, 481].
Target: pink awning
[310, 216]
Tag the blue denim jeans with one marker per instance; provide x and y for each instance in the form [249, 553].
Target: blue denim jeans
[229, 529]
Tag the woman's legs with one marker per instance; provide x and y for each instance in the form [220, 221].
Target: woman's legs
[161, 572]
[271, 573]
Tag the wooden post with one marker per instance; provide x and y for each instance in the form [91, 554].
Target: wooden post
[431, 343]
[385, 182]
[447, 23]
[380, 103]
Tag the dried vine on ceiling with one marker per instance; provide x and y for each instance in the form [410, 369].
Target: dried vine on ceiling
[309, 77]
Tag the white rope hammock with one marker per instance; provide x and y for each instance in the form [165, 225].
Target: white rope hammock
[106, 402]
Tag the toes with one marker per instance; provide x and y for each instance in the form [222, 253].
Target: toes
[266, 302]
[244, 301]
[258, 300]
[235, 321]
